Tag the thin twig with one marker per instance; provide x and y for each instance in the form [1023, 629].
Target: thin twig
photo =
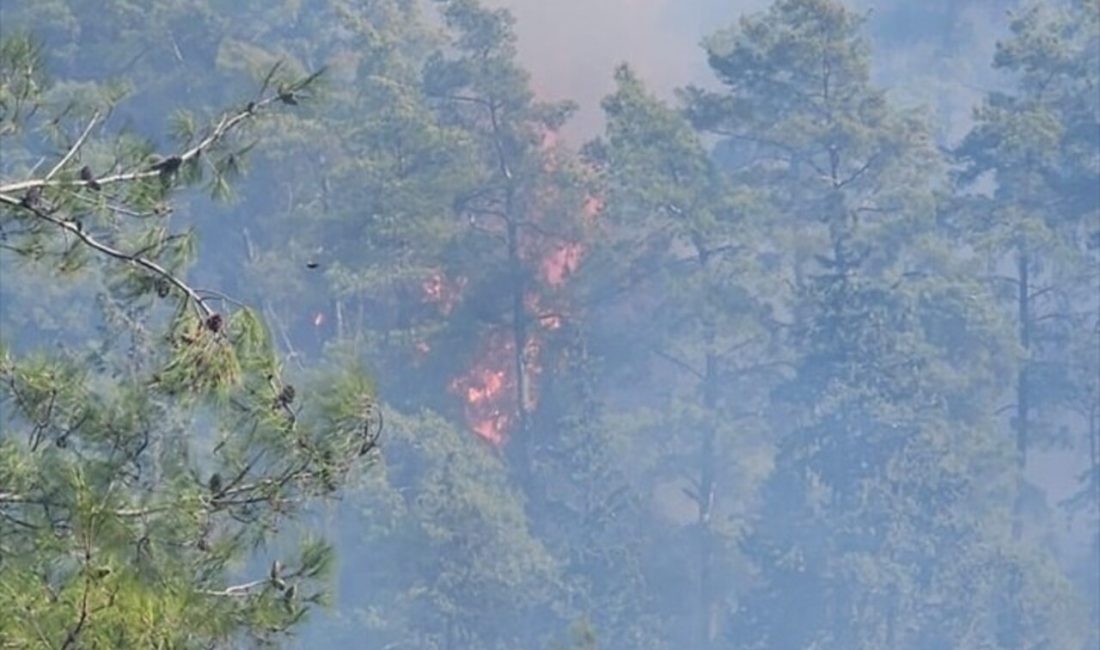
[118, 209]
[247, 588]
[36, 166]
[74, 633]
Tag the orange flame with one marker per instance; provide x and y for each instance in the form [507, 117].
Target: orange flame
[547, 319]
[491, 383]
[488, 390]
[561, 262]
[441, 291]
[593, 206]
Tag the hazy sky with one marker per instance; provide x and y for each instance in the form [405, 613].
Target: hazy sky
[572, 46]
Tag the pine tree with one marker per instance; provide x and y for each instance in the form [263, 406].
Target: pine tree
[138, 474]
[1038, 144]
[885, 454]
[585, 505]
[675, 274]
[526, 204]
[449, 559]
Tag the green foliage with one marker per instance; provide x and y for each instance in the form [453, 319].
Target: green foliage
[673, 263]
[21, 82]
[878, 464]
[1037, 143]
[581, 637]
[453, 563]
[763, 368]
[136, 481]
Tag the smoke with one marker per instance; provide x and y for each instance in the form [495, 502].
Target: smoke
[936, 53]
[571, 47]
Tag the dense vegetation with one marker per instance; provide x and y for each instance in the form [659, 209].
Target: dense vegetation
[777, 364]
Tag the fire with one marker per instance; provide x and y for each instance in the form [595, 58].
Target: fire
[564, 258]
[548, 319]
[441, 291]
[593, 206]
[561, 262]
[492, 428]
[491, 385]
[488, 390]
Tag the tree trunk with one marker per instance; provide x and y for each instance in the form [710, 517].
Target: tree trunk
[706, 621]
[520, 441]
[1022, 393]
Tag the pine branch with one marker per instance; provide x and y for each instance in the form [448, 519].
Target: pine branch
[27, 195]
[225, 126]
[149, 265]
[277, 578]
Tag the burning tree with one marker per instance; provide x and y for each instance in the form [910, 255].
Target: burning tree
[525, 216]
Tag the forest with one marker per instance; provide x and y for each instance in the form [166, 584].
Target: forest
[507, 324]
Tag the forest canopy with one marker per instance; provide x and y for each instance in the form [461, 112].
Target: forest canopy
[323, 324]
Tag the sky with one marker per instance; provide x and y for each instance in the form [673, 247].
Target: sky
[571, 48]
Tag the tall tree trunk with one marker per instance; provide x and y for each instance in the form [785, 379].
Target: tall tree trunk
[520, 443]
[706, 614]
[1094, 449]
[1023, 300]
[521, 435]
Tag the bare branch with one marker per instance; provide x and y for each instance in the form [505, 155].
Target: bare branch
[238, 591]
[683, 365]
[249, 588]
[857, 173]
[12, 497]
[73, 149]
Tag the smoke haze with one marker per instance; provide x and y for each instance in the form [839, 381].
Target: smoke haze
[571, 48]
